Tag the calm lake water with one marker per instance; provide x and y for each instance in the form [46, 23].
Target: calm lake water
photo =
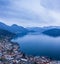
[41, 45]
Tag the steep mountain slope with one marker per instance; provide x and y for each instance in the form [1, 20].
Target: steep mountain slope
[5, 33]
[52, 32]
[4, 26]
[18, 29]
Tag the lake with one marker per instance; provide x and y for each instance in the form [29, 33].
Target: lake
[40, 44]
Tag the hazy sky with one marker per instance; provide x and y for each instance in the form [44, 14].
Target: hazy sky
[30, 12]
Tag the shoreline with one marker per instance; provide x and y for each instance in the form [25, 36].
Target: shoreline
[10, 53]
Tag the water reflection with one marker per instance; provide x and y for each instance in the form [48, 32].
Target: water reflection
[40, 45]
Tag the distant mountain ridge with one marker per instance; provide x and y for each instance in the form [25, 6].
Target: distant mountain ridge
[42, 29]
[20, 31]
[14, 28]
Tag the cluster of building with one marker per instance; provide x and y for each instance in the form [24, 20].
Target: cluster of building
[10, 54]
